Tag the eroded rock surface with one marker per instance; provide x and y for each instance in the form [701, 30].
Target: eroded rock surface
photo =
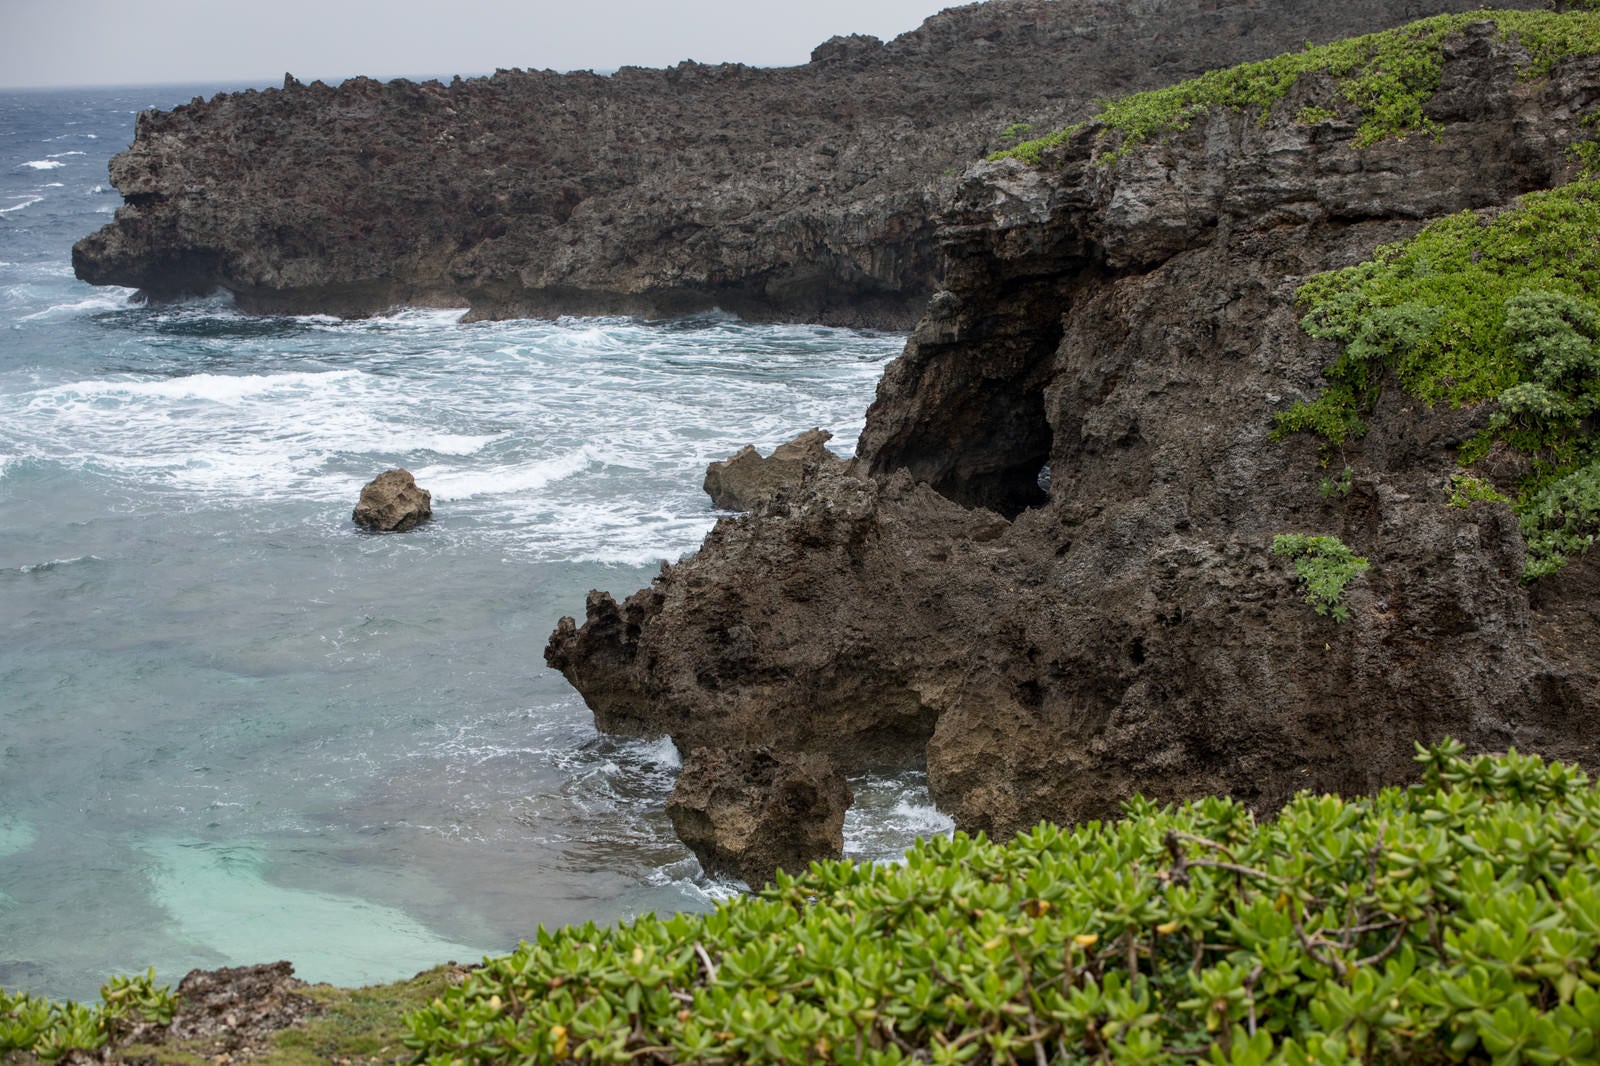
[1050, 652]
[747, 479]
[802, 194]
[750, 812]
[393, 503]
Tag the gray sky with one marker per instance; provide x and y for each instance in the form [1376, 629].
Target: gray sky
[131, 42]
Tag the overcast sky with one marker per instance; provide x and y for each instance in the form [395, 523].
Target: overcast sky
[134, 42]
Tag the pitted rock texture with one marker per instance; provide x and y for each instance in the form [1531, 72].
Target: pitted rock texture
[1050, 652]
[393, 503]
[747, 479]
[751, 812]
[801, 194]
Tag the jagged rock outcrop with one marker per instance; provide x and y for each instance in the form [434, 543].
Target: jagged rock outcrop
[746, 478]
[804, 193]
[1132, 327]
[392, 502]
[751, 812]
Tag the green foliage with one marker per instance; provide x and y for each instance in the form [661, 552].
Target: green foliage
[1016, 131]
[50, 1030]
[1503, 309]
[1383, 79]
[1458, 919]
[1325, 566]
[1329, 487]
[1466, 490]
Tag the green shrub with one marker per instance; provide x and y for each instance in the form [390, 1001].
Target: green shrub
[1382, 79]
[1466, 490]
[50, 1030]
[1325, 565]
[1458, 919]
[1501, 309]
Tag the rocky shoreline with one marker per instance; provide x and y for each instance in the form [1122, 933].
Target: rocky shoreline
[799, 194]
[1131, 328]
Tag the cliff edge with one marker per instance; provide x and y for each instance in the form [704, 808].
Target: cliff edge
[804, 193]
[1050, 575]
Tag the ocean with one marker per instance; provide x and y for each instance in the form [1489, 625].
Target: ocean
[233, 727]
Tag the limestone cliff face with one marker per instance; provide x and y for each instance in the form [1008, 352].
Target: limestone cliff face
[1131, 327]
[804, 193]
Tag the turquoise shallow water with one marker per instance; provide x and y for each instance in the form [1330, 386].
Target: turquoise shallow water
[233, 728]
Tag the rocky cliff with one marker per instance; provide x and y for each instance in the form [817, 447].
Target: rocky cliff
[804, 193]
[1049, 573]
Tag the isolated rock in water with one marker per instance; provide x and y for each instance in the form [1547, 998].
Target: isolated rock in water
[392, 502]
[752, 811]
[745, 480]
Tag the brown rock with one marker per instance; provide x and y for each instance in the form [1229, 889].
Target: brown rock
[392, 502]
[1133, 327]
[745, 480]
[752, 811]
[801, 194]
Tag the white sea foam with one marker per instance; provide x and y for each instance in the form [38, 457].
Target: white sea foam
[63, 155]
[43, 164]
[26, 202]
[53, 564]
[53, 185]
[451, 483]
[110, 299]
[216, 388]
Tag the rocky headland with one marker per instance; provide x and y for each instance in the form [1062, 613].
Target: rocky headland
[1048, 576]
[802, 194]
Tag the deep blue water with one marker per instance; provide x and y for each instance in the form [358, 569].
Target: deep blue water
[235, 729]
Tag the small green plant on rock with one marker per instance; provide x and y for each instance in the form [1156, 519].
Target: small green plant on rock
[1466, 490]
[1330, 487]
[1016, 131]
[1325, 566]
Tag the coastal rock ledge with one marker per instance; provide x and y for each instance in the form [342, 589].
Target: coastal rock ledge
[1131, 327]
[797, 194]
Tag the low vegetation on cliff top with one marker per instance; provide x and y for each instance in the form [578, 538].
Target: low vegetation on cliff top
[1500, 309]
[1383, 81]
[1455, 920]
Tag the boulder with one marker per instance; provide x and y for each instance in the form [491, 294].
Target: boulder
[753, 811]
[744, 480]
[392, 503]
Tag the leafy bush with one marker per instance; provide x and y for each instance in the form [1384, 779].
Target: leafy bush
[50, 1030]
[1455, 919]
[1325, 566]
[1383, 79]
[1473, 309]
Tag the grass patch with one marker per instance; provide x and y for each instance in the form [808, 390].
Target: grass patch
[361, 1025]
[1381, 80]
